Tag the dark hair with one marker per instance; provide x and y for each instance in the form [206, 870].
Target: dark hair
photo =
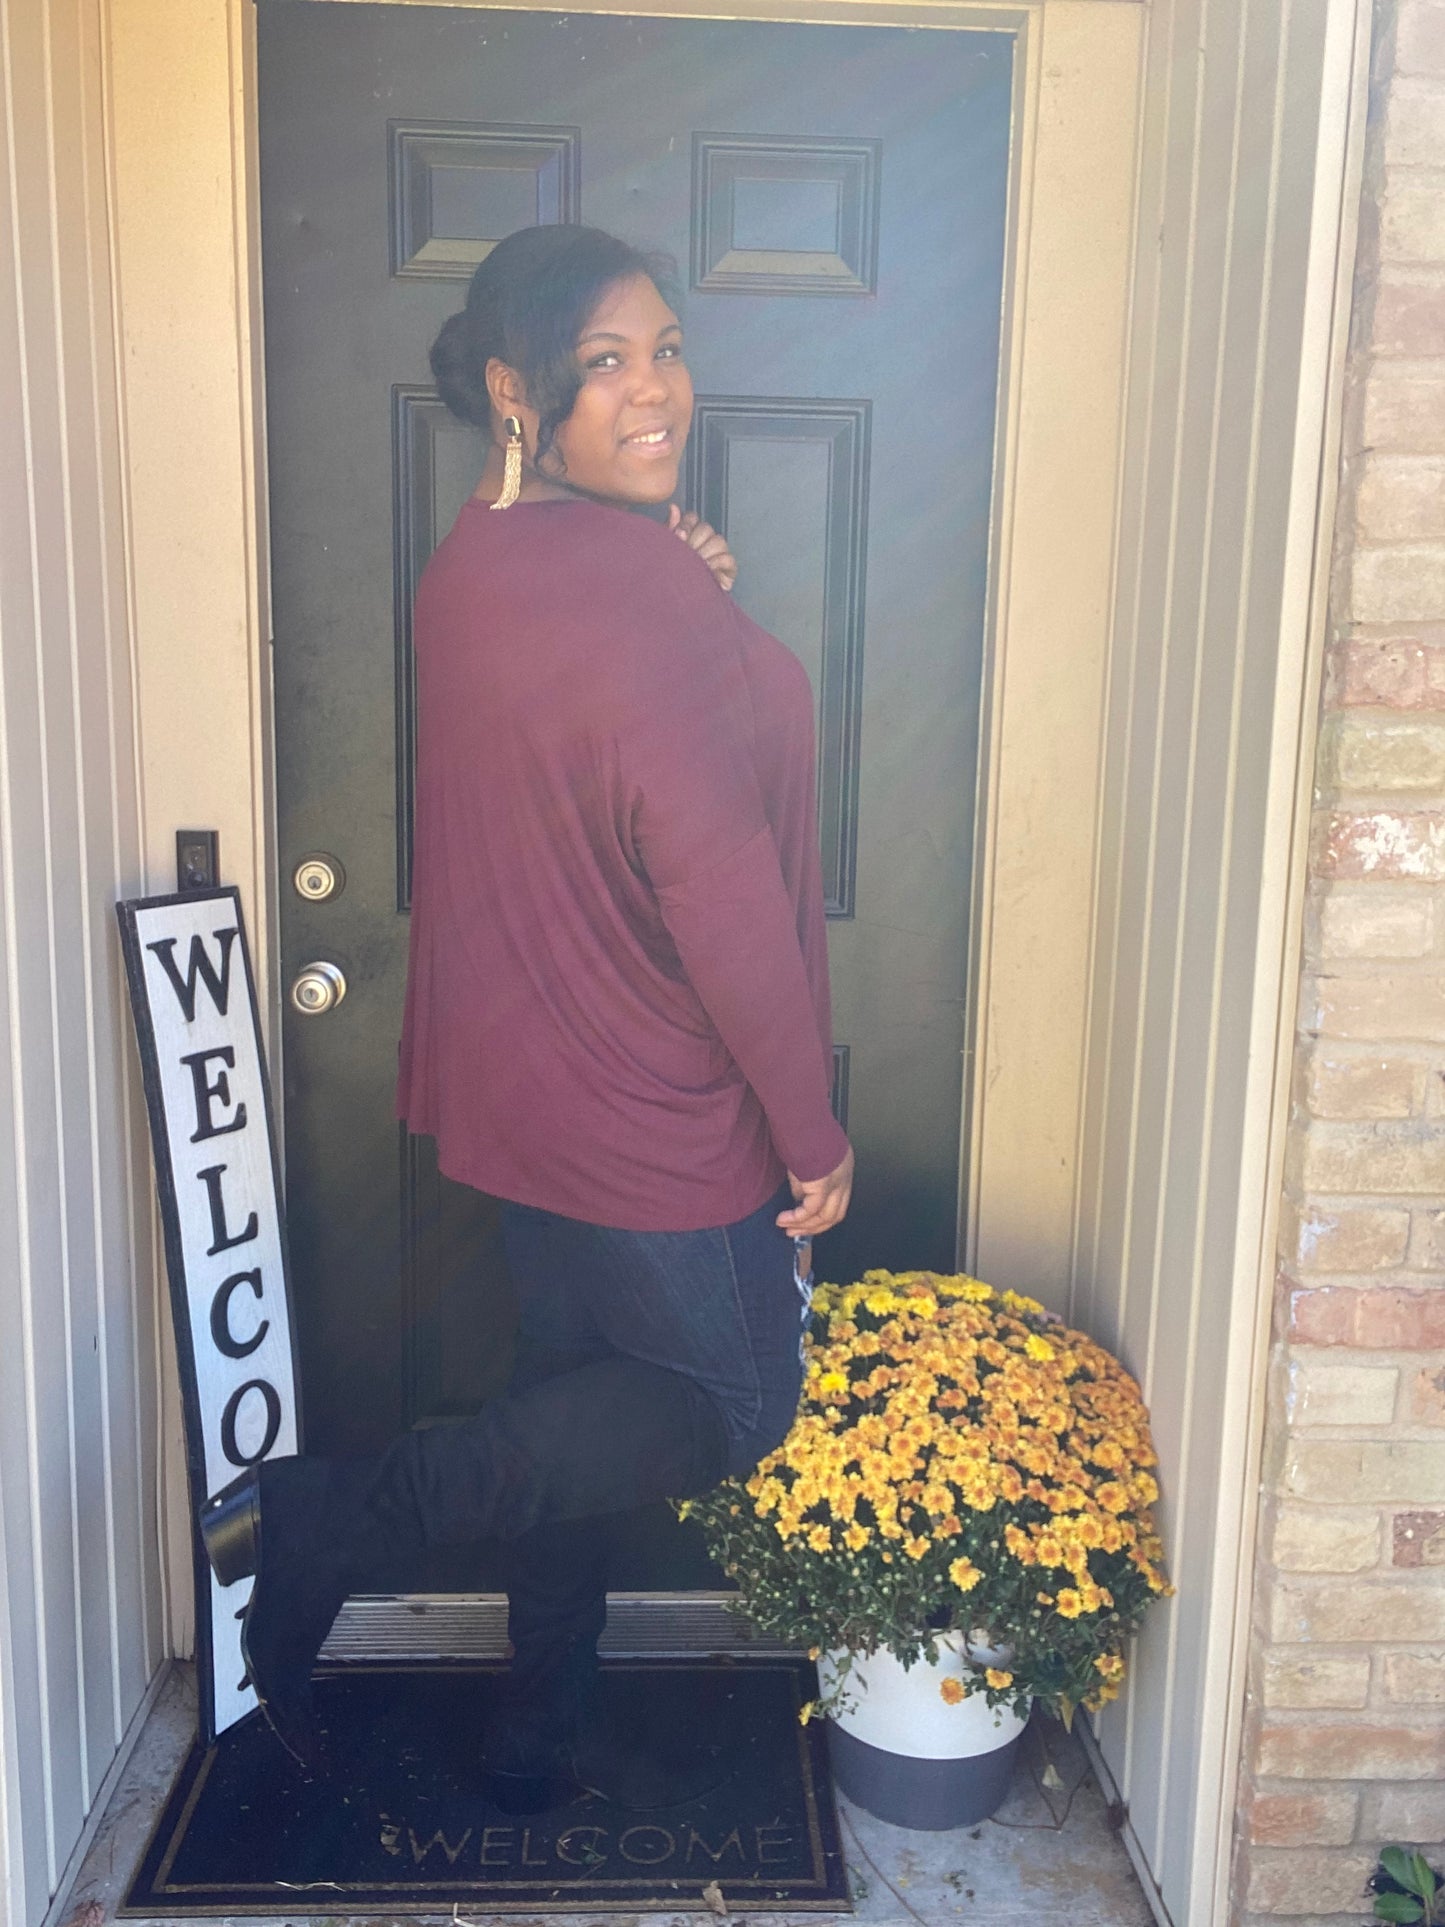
[526, 306]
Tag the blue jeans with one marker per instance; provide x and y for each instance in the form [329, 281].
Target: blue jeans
[722, 1307]
[650, 1365]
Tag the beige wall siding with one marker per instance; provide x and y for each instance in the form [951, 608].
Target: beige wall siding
[80, 1606]
[1346, 1739]
[1241, 178]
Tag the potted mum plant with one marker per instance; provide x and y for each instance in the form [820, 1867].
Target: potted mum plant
[958, 1525]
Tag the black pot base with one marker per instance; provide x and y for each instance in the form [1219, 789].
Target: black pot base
[928, 1796]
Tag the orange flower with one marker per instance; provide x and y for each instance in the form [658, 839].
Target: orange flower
[951, 1689]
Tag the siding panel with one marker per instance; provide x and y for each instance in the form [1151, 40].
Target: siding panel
[80, 1621]
[1208, 654]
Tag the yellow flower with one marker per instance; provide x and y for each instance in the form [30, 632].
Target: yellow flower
[916, 1546]
[1111, 1665]
[806, 1711]
[997, 1680]
[964, 1574]
[951, 1689]
[1038, 1348]
[1068, 1604]
[832, 1382]
[856, 1537]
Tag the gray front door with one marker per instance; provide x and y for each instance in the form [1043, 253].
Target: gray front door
[835, 199]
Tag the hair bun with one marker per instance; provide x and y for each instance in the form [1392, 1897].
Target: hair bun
[461, 384]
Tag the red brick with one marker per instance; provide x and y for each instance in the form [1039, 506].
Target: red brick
[1409, 320]
[1379, 843]
[1377, 675]
[1322, 1315]
[1350, 1750]
[1323, 1819]
[1396, 1318]
[1404, 411]
[1419, 1539]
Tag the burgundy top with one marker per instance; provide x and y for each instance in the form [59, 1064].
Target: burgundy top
[617, 1002]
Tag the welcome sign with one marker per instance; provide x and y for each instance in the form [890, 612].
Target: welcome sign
[194, 1003]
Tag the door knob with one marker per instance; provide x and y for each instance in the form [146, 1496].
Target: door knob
[317, 877]
[319, 987]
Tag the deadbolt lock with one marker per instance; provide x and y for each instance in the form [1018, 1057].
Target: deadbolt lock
[318, 876]
[319, 988]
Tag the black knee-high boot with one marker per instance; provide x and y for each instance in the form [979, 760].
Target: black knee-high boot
[614, 1434]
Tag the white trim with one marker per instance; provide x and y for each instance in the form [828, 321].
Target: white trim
[1314, 491]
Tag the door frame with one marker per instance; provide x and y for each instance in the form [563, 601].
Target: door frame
[184, 219]
[185, 206]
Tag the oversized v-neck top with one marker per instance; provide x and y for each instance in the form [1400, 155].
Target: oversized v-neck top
[617, 1000]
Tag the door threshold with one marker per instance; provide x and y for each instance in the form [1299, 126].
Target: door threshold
[473, 1626]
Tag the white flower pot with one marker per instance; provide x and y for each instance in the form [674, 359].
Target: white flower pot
[902, 1752]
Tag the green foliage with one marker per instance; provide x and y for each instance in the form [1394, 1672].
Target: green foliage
[1414, 1892]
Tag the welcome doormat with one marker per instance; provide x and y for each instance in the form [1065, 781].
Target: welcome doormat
[742, 1808]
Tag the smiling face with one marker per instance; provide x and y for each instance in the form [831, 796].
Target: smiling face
[624, 438]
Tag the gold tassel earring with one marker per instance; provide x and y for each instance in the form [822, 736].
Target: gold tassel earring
[512, 471]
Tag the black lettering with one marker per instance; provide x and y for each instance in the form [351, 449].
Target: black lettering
[526, 1845]
[502, 1839]
[591, 1855]
[217, 981]
[438, 1839]
[734, 1839]
[645, 1857]
[222, 1239]
[272, 1402]
[773, 1837]
[206, 1125]
[222, 1337]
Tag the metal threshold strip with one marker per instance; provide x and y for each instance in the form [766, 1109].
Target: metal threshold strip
[443, 1626]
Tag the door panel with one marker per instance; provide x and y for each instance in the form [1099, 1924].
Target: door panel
[836, 198]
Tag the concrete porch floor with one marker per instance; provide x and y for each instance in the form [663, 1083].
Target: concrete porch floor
[1048, 1855]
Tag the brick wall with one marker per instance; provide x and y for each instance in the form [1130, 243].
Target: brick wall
[1345, 1741]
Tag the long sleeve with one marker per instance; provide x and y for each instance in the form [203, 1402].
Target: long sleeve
[735, 934]
[702, 835]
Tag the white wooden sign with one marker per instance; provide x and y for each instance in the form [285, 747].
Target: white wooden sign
[194, 1004]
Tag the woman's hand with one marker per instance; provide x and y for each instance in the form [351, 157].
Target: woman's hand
[709, 544]
[821, 1202]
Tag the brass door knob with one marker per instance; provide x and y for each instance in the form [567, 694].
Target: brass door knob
[319, 988]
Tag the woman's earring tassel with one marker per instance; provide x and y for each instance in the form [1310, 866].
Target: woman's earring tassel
[512, 472]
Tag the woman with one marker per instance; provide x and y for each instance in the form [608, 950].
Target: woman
[617, 1007]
